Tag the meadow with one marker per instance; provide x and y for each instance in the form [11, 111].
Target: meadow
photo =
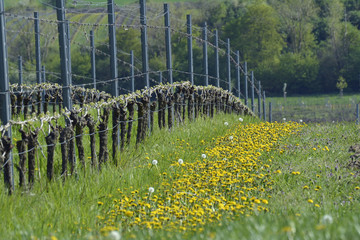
[212, 179]
[317, 108]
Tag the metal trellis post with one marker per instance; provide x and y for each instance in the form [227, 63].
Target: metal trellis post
[217, 65]
[357, 114]
[190, 49]
[20, 65]
[93, 63]
[68, 42]
[144, 47]
[252, 92]
[228, 63]
[112, 43]
[144, 43]
[132, 70]
[168, 42]
[205, 55]
[43, 77]
[259, 100]
[246, 85]
[5, 109]
[63, 54]
[238, 73]
[264, 106]
[37, 47]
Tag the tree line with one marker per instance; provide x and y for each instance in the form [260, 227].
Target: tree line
[311, 45]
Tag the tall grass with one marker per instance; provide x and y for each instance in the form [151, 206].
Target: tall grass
[69, 209]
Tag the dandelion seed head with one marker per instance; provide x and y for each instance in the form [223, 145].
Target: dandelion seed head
[203, 155]
[114, 235]
[151, 189]
[231, 137]
[284, 119]
[327, 219]
[180, 161]
[226, 123]
[154, 162]
[240, 119]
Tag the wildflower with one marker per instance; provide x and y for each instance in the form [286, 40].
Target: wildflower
[180, 161]
[100, 203]
[300, 120]
[327, 219]
[151, 189]
[226, 123]
[203, 155]
[320, 227]
[357, 188]
[114, 235]
[129, 213]
[317, 205]
[240, 119]
[284, 119]
[231, 138]
[154, 162]
[310, 201]
[305, 187]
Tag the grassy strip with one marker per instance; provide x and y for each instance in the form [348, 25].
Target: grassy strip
[314, 196]
[69, 210]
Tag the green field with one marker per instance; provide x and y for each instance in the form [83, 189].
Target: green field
[320, 108]
[313, 193]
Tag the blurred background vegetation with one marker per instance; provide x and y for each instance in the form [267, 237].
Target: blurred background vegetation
[308, 44]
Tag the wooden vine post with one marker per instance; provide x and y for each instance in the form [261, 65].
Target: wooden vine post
[5, 150]
[51, 140]
[91, 125]
[115, 130]
[21, 147]
[130, 108]
[32, 143]
[103, 136]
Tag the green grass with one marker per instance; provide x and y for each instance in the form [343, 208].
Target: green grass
[68, 210]
[291, 216]
[319, 108]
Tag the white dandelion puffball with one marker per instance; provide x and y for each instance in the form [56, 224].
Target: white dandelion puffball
[151, 189]
[301, 121]
[226, 123]
[154, 162]
[327, 219]
[203, 155]
[114, 235]
[180, 161]
[231, 137]
[240, 119]
[284, 119]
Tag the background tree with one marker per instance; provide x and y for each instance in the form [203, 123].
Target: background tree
[341, 84]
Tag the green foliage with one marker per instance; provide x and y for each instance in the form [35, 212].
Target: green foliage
[341, 84]
[256, 35]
